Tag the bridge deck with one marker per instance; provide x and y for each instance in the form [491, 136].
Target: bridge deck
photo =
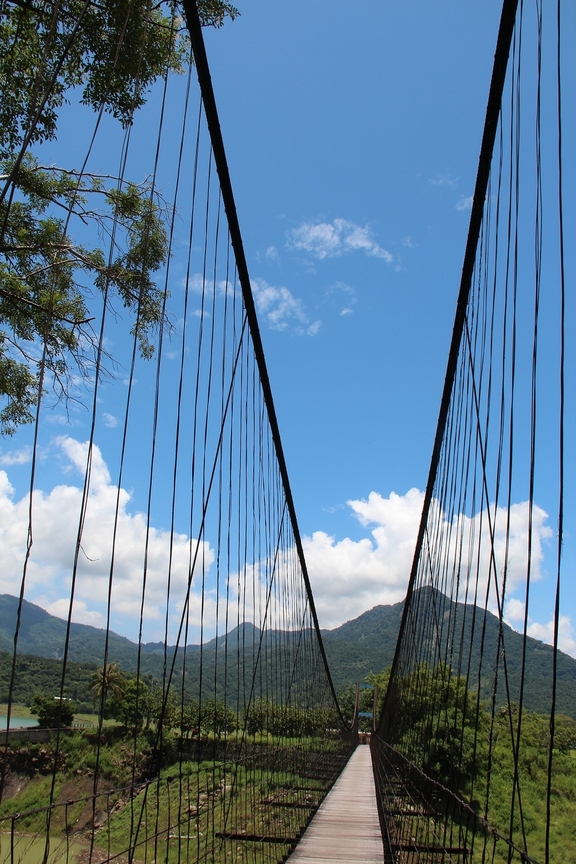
[346, 826]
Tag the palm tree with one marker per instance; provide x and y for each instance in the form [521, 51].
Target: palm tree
[107, 680]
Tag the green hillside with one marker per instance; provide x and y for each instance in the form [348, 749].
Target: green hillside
[367, 643]
[44, 635]
[360, 646]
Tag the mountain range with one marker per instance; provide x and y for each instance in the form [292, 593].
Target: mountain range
[360, 646]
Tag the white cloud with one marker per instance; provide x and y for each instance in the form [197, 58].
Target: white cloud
[313, 329]
[544, 632]
[55, 524]
[16, 457]
[465, 203]
[351, 576]
[109, 420]
[514, 610]
[272, 253]
[275, 304]
[280, 309]
[80, 612]
[331, 239]
[566, 634]
[350, 299]
[59, 420]
[443, 180]
[343, 288]
[348, 576]
[199, 285]
[509, 554]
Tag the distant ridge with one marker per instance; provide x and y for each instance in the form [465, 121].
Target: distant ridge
[367, 643]
[360, 646]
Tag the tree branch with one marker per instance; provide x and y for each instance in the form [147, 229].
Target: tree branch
[14, 297]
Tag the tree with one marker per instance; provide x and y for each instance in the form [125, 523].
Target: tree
[108, 680]
[347, 699]
[442, 726]
[130, 704]
[189, 718]
[113, 50]
[217, 717]
[164, 709]
[53, 713]
[379, 680]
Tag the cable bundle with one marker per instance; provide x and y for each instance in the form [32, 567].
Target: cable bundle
[472, 761]
[125, 285]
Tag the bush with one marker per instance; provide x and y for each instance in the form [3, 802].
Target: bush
[53, 713]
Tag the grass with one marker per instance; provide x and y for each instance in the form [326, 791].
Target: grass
[25, 849]
[17, 710]
[186, 812]
[271, 790]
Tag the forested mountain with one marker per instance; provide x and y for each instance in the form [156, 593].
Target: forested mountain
[44, 635]
[360, 646]
[366, 644]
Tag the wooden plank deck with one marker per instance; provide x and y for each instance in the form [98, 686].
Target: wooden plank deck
[346, 827]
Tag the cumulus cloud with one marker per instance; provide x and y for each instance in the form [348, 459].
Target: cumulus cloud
[280, 309]
[109, 420]
[470, 542]
[514, 611]
[350, 576]
[80, 612]
[465, 203]
[332, 239]
[16, 457]
[514, 616]
[566, 634]
[56, 517]
[275, 304]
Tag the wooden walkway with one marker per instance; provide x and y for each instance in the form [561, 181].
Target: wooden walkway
[346, 827]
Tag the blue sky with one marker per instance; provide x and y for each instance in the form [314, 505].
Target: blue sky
[371, 114]
[352, 131]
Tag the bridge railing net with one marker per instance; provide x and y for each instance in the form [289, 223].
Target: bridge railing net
[473, 756]
[161, 509]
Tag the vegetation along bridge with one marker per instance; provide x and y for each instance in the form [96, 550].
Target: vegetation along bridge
[221, 741]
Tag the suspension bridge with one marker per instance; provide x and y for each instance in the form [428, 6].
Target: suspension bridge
[226, 741]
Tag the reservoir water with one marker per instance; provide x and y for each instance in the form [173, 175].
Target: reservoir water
[18, 722]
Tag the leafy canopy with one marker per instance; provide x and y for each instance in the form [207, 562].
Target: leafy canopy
[110, 52]
[53, 712]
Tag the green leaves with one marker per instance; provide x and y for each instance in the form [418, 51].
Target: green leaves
[53, 712]
[113, 51]
[43, 299]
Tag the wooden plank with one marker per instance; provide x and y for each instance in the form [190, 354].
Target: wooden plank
[346, 825]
